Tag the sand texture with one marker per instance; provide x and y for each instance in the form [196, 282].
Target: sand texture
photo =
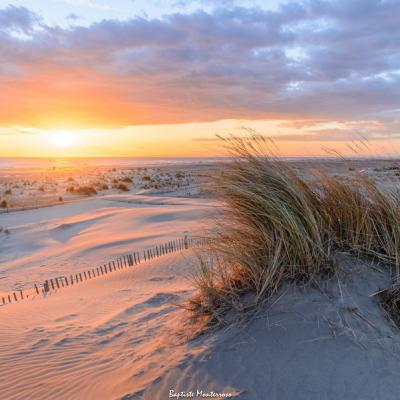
[124, 336]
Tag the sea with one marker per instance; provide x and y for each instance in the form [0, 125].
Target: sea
[38, 164]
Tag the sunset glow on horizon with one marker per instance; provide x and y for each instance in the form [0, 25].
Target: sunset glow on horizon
[121, 78]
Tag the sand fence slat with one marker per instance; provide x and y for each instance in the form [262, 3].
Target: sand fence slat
[125, 261]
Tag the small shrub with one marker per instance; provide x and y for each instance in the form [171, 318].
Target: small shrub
[146, 178]
[86, 190]
[71, 189]
[127, 180]
[60, 199]
[4, 204]
[122, 187]
[41, 189]
[8, 192]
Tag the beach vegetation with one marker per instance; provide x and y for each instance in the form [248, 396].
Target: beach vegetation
[122, 187]
[4, 204]
[86, 190]
[276, 227]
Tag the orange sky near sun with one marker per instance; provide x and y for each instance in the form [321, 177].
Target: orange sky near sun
[98, 116]
[62, 99]
[180, 140]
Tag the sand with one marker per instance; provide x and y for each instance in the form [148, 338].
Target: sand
[40, 184]
[106, 337]
[70, 238]
[124, 336]
[103, 339]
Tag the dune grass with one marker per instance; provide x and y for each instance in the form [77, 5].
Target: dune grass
[390, 302]
[277, 227]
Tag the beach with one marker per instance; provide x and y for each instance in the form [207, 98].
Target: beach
[199, 200]
[126, 336]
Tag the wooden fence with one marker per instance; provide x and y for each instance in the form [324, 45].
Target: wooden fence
[123, 262]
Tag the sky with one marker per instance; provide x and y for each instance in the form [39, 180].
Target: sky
[163, 78]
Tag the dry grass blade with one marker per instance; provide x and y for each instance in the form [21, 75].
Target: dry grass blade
[276, 226]
[390, 302]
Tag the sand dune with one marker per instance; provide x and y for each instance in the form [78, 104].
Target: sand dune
[123, 336]
[68, 238]
[311, 345]
[107, 337]
[102, 339]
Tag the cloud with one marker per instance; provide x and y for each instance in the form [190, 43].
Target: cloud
[73, 17]
[18, 19]
[355, 132]
[311, 60]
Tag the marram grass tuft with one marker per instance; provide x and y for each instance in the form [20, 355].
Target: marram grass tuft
[276, 227]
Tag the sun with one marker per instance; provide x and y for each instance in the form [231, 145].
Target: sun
[62, 139]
